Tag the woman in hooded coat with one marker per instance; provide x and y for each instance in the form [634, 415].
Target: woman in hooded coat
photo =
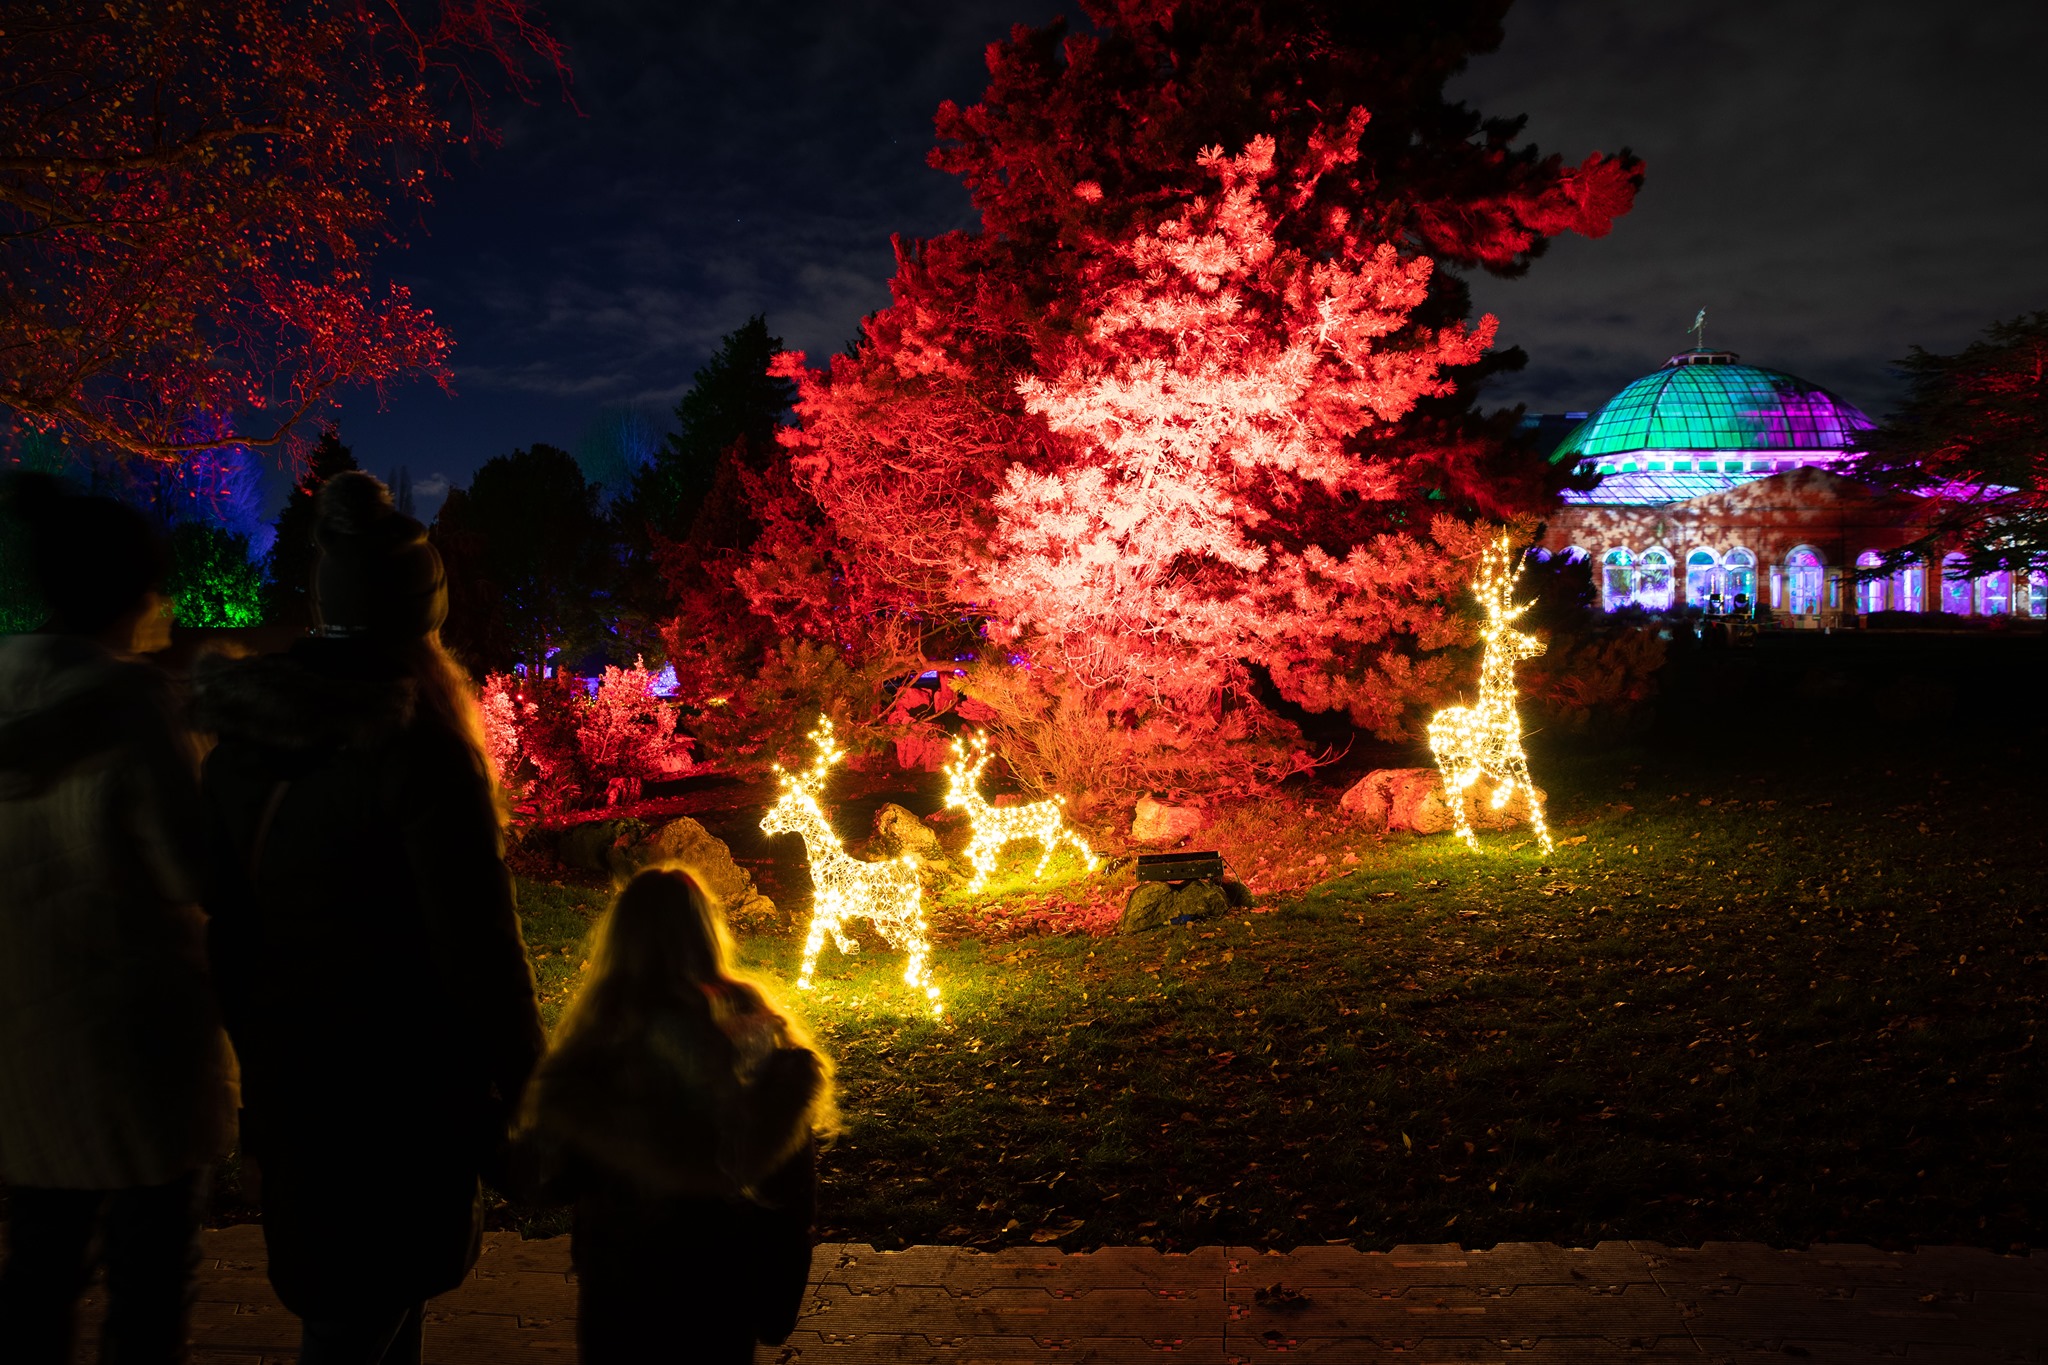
[681, 1112]
[115, 1079]
[364, 938]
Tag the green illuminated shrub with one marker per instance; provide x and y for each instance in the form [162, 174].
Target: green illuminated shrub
[212, 579]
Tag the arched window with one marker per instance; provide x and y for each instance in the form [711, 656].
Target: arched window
[1803, 582]
[1870, 592]
[1653, 581]
[1910, 585]
[1617, 580]
[1578, 554]
[1702, 580]
[2037, 594]
[1955, 592]
[1738, 579]
[1994, 594]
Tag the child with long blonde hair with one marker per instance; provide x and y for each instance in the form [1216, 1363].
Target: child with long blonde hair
[682, 1112]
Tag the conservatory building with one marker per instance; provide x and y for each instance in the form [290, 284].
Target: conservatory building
[1722, 488]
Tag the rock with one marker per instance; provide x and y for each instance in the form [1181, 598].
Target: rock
[1400, 798]
[1413, 799]
[591, 846]
[898, 832]
[685, 842]
[1154, 904]
[1155, 822]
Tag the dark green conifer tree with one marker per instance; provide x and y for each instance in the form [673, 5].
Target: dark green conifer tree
[731, 412]
[531, 573]
[289, 568]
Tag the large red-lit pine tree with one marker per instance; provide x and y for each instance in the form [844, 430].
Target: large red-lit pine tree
[1187, 427]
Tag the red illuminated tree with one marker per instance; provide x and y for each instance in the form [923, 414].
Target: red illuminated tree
[1188, 426]
[1973, 429]
[192, 197]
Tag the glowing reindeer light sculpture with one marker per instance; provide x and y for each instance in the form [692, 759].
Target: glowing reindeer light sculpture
[886, 894]
[1471, 742]
[995, 827]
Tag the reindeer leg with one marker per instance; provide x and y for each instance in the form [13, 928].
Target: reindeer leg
[813, 941]
[1519, 766]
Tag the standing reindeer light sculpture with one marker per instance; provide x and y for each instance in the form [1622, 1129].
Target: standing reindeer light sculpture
[995, 827]
[1485, 740]
[885, 894]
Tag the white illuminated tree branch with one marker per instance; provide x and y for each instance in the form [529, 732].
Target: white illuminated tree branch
[886, 894]
[996, 827]
[1485, 740]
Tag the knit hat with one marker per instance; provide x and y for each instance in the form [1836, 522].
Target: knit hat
[376, 574]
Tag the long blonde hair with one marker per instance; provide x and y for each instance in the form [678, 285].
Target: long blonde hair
[663, 950]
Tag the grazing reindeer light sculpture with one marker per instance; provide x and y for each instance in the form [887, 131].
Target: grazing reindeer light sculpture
[995, 827]
[1471, 742]
[887, 894]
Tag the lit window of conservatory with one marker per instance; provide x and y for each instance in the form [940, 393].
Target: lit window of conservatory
[1738, 579]
[1955, 592]
[1617, 580]
[1870, 592]
[1702, 578]
[1994, 594]
[1803, 582]
[2037, 594]
[1653, 581]
[1911, 583]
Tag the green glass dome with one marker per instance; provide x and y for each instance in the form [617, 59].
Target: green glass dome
[1707, 400]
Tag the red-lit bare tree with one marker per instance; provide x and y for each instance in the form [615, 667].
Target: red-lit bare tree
[192, 197]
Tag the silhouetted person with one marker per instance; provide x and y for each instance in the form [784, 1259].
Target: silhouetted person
[681, 1112]
[364, 938]
[115, 1078]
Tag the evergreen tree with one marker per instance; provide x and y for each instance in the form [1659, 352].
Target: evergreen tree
[732, 410]
[1973, 430]
[288, 597]
[530, 564]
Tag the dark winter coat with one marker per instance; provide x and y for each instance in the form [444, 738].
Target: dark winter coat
[113, 1069]
[694, 1171]
[371, 970]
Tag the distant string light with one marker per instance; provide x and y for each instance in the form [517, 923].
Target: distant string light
[996, 827]
[886, 894]
[1485, 741]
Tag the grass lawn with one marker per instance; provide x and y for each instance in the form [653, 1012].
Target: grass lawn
[1788, 998]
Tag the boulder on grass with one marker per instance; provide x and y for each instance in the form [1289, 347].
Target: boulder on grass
[898, 831]
[1413, 799]
[684, 841]
[1154, 904]
[1155, 822]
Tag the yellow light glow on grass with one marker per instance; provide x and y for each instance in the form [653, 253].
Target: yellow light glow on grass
[1485, 741]
[996, 827]
[886, 894]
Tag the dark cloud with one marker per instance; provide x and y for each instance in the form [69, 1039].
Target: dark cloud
[1833, 182]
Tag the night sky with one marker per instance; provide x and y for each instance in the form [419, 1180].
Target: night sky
[1833, 182]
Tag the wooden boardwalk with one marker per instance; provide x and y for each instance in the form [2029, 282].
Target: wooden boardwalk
[1519, 1304]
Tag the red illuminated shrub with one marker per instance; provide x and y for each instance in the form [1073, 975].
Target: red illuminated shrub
[557, 747]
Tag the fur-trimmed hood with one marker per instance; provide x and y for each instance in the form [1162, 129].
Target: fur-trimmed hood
[323, 694]
[674, 1112]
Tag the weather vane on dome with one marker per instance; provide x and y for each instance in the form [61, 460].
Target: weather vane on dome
[1699, 329]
